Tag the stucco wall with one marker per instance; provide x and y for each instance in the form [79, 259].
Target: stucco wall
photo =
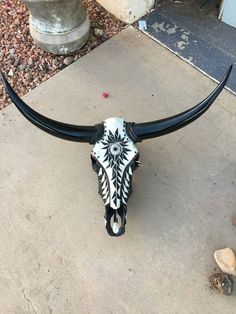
[127, 11]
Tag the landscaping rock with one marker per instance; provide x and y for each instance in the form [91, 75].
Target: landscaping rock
[225, 259]
[16, 63]
[234, 220]
[68, 60]
[22, 67]
[11, 73]
[12, 51]
[98, 32]
[221, 283]
[30, 62]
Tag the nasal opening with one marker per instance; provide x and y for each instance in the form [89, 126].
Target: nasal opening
[115, 220]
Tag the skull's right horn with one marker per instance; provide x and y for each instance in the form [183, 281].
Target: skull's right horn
[146, 130]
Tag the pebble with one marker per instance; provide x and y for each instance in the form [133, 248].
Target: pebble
[22, 67]
[92, 38]
[17, 21]
[2, 54]
[16, 63]
[225, 259]
[98, 32]
[221, 283]
[30, 77]
[54, 62]
[68, 60]
[12, 51]
[11, 73]
[30, 62]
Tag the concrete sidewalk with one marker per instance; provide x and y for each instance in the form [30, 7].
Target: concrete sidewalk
[55, 255]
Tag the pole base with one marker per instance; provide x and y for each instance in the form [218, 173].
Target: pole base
[62, 43]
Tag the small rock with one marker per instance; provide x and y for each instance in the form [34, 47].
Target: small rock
[54, 62]
[16, 63]
[225, 259]
[68, 60]
[30, 77]
[22, 67]
[11, 73]
[98, 32]
[222, 283]
[92, 38]
[30, 62]
[177, 1]
[234, 220]
[2, 54]
[12, 51]
[17, 21]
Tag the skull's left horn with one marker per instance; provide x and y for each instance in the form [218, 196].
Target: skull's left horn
[62, 130]
[142, 131]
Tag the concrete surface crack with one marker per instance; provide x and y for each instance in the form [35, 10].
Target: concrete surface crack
[26, 298]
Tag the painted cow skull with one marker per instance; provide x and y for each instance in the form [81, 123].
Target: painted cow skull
[115, 155]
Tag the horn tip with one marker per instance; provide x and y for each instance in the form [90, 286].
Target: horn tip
[227, 74]
[229, 69]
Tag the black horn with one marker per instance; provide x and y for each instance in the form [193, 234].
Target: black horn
[146, 130]
[62, 130]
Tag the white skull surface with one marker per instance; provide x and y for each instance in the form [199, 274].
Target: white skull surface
[114, 158]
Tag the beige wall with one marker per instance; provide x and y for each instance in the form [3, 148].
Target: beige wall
[127, 11]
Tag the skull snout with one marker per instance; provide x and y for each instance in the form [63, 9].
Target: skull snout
[115, 220]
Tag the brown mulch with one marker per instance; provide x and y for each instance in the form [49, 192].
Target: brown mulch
[25, 64]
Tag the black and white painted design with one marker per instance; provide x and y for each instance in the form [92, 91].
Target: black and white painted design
[114, 158]
[114, 154]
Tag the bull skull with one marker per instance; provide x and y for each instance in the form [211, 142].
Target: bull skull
[115, 155]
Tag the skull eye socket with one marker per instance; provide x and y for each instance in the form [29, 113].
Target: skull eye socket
[115, 149]
[136, 163]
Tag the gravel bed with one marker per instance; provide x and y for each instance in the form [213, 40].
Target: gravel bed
[25, 64]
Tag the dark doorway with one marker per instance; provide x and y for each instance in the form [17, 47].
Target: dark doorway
[194, 8]
[191, 29]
